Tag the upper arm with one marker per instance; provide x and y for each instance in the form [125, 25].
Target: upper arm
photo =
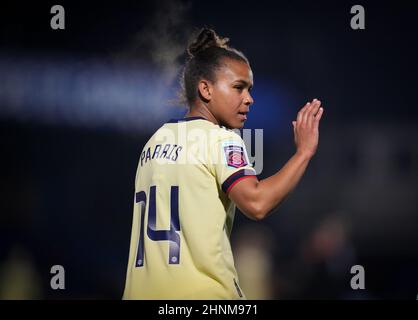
[234, 173]
[245, 193]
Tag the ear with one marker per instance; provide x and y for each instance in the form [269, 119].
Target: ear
[205, 89]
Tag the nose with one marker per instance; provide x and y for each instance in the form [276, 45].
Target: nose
[248, 100]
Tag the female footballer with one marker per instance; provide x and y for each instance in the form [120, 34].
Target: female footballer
[192, 174]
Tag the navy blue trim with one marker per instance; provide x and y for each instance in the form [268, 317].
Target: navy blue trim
[185, 119]
[235, 176]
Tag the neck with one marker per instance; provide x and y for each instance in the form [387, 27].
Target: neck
[200, 109]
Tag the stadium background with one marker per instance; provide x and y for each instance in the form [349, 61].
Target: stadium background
[77, 106]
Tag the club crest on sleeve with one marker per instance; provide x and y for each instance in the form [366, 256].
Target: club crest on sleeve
[235, 156]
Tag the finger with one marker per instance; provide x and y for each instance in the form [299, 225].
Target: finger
[316, 108]
[318, 116]
[306, 106]
[294, 128]
[302, 111]
[312, 112]
[308, 112]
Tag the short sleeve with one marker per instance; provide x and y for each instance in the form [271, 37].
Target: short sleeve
[230, 162]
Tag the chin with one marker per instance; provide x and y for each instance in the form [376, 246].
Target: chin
[240, 126]
[236, 126]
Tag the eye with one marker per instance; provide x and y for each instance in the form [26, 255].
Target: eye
[239, 88]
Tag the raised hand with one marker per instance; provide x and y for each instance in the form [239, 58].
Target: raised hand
[306, 127]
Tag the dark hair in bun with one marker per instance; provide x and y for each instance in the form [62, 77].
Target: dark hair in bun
[205, 54]
[207, 38]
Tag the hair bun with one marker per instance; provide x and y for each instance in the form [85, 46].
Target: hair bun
[206, 38]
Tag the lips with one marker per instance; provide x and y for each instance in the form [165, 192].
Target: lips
[243, 114]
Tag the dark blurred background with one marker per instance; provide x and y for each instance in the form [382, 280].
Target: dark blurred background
[77, 106]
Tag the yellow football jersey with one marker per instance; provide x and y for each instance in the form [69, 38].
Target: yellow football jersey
[182, 216]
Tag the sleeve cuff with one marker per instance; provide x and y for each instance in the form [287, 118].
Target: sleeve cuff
[235, 177]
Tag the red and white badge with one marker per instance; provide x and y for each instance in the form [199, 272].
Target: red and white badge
[235, 156]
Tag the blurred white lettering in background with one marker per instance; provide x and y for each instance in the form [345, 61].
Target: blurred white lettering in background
[84, 92]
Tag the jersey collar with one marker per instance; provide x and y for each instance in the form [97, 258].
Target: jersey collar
[186, 119]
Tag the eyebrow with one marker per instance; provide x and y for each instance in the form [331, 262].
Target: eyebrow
[245, 83]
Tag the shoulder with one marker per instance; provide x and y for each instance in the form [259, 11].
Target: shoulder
[224, 133]
[200, 127]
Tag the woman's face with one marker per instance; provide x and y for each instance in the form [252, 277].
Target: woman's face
[230, 99]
